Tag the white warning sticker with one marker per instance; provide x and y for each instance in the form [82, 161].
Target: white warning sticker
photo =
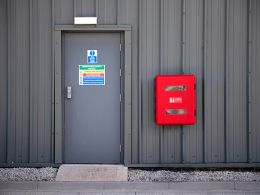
[175, 100]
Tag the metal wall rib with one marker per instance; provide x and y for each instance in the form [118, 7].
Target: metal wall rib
[170, 63]
[40, 83]
[18, 81]
[217, 40]
[149, 37]
[3, 80]
[63, 11]
[193, 64]
[84, 8]
[214, 77]
[236, 74]
[126, 16]
[254, 59]
[107, 11]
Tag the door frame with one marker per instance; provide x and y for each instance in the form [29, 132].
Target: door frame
[126, 64]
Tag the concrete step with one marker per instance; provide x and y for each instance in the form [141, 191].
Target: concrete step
[92, 172]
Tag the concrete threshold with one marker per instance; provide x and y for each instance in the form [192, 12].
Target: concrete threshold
[92, 172]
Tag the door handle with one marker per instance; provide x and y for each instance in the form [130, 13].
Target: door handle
[68, 92]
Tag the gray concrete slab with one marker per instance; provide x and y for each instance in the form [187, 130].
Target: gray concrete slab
[70, 186]
[202, 186]
[90, 193]
[118, 193]
[128, 188]
[136, 186]
[92, 172]
[171, 193]
[19, 185]
[247, 186]
[21, 193]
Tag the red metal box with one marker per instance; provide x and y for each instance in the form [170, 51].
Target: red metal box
[175, 99]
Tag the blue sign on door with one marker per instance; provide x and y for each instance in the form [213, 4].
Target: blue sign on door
[92, 56]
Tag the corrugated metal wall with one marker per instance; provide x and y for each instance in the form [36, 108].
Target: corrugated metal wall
[218, 40]
[26, 61]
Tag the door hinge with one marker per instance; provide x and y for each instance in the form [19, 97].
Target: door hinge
[120, 97]
[120, 148]
[120, 73]
[120, 47]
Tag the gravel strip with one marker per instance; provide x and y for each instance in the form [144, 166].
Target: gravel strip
[191, 176]
[136, 175]
[28, 174]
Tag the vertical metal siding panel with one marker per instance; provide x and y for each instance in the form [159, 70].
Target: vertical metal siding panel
[85, 8]
[193, 58]
[46, 56]
[236, 81]
[128, 14]
[3, 80]
[123, 11]
[171, 46]
[18, 57]
[150, 68]
[58, 97]
[106, 11]
[10, 118]
[34, 93]
[255, 63]
[41, 56]
[64, 11]
[22, 109]
[128, 94]
[214, 81]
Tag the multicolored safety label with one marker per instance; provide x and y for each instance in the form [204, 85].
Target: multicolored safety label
[92, 74]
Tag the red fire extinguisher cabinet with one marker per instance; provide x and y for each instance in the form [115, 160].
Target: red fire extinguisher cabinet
[175, 99]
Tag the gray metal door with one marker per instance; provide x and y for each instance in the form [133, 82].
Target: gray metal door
[92, 114]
